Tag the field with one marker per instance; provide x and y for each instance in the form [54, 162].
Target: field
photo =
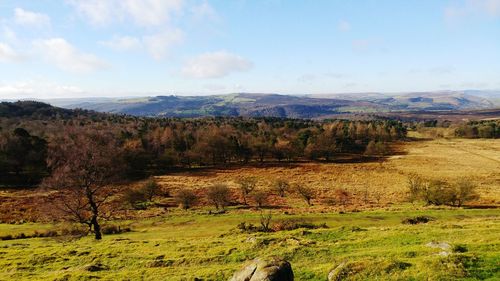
[368, 236]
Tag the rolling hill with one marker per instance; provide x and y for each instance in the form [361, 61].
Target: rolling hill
[275, 105]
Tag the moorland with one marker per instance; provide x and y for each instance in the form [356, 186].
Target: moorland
[376, 199]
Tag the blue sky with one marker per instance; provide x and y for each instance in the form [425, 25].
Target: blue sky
[97, 48]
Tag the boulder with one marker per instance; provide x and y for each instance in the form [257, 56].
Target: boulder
[265, 269]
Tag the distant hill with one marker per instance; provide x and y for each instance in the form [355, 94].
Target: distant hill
[275, 105]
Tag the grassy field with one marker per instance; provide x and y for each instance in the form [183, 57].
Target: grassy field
[369, 238]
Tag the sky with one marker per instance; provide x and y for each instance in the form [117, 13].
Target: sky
[111, 48]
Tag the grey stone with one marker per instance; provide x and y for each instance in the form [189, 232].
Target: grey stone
[265, 269]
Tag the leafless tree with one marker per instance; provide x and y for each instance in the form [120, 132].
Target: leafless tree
[281, 186]
[83, 162]
[185, 198]
[265, 221]
[343, 197]
[465, 190]
[247, 185]
[219, 195]
[260, 197]
[305, 192]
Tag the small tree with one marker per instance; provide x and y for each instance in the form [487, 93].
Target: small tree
[83, 163]
[260, 197]
[186, 198]
[305, 192]
[465, 190]
[343, 197]
[415, 187]
[265, 221]
[247, 185]
[219, 195]
[151, 189]
[281, 186]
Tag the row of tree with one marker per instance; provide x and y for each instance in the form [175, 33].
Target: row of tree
[479, 129]
[147, 145]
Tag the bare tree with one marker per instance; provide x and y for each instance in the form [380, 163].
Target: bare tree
[265, 221]
[260, 197]
[219, 195]
[415, 186]
[185, 198]
[151, 189]
[343, 197]
[281, 186]
[465, 190]
[83, 163]
[305, 192]
[247, 185]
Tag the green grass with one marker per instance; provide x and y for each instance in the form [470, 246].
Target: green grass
[185, 245]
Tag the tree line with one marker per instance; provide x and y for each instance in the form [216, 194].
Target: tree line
[149, 145]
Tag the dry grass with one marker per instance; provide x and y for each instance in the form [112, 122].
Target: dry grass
[435, 159]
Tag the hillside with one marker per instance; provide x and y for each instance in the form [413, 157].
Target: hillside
[275, 105]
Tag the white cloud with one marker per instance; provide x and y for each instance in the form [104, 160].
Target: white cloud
[472, 7]
[37, 89]
[215, 65]
[24, 17]
[204, 11]
[151, 12]
[142, 12]
[344, 26]
[65, 56]
[7, 54]
[160, 44]
[122, 43]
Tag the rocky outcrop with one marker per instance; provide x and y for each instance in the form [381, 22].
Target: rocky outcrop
[265, 269]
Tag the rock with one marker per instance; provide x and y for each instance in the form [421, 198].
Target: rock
[439, 245]
[338, 273]
[265, 269]
[251, 239]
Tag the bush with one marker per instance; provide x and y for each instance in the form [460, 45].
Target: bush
[114, 229]
[465, 190]
[305, 192]
[136, 199]
[219, 195]
[281, 186]
[150, 189]
[417, 220]
[343, 197]
[185, 198]
[260, 198]
[247, 185]
[438, 192]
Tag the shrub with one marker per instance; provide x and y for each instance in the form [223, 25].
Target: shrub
[438, 192]
[185, 198]
[465, 190]
[265, 220]
[305, 192]
[150, 189]
[459, 248]
[418, 220]
[342, 197]
[281, 186]
[415, 185]
[260, 198]
[114, 229]
[247, 185]
[136, 199]
[219, 195]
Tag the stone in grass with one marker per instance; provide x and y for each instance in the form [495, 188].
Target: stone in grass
[340, 272]
[439, 245]
[265, 269]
